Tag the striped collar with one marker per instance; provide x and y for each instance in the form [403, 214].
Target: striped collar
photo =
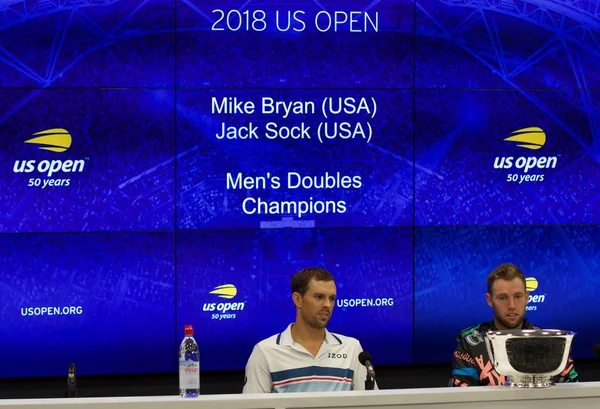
[285, 338]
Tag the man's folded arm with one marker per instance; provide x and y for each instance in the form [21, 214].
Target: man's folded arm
[464, 369]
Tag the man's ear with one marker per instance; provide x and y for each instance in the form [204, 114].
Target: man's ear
[488, 298]
[297, 298]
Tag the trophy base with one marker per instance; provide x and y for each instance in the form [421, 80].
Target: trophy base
[529, 382]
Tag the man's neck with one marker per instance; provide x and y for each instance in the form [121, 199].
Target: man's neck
[310, 338]
[301, 332]
[501, 327]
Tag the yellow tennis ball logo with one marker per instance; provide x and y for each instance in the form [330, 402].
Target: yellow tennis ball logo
[531, 283]
[225, 291]
[528, 138]
[55, 140]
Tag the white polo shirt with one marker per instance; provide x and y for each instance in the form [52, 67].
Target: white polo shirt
[278, 364]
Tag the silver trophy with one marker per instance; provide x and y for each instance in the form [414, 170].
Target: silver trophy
[529, 358]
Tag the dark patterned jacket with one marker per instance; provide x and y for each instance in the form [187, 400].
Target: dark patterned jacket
[472, 366]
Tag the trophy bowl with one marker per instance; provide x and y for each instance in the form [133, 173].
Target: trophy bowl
[529, 358]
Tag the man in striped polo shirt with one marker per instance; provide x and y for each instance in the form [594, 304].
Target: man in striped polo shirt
[305, 357]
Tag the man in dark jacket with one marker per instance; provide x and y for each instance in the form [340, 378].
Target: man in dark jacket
[507, 295]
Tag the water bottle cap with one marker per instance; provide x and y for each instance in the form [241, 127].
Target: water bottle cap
[188, 331]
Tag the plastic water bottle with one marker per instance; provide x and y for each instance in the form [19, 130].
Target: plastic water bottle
[189, 365]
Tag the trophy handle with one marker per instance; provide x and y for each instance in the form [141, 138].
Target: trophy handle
[490, 348]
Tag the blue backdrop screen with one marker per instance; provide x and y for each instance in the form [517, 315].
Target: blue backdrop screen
[101, 43]
[306, 44]
[473, 174]
[114, 171]
[319, 181]
[376, 266]
[453, 265]
[153, 151]
[88, 299]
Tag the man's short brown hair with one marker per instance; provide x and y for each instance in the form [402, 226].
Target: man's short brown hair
[302, 278]
[504, 272]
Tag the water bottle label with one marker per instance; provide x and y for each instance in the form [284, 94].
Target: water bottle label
[189, 374]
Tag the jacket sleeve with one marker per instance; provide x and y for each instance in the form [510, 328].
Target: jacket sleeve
[464, 368]
[258, 377]
[569, 374]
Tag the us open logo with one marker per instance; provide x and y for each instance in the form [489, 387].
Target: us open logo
[527, 168]
[50, 172]
[54, 140]
[529, 138]
[224, 310]
[531, 284]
